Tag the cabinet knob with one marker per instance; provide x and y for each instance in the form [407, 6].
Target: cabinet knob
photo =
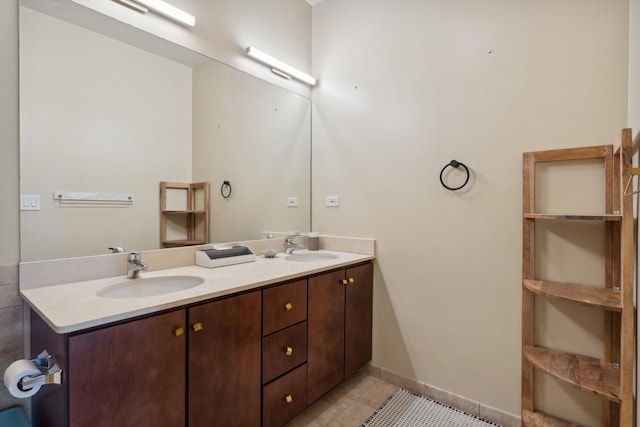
[344, 281]
[288, 351]
[352, 280]
[198, 327]
[288, 398]
[288, 306]
[178, 331]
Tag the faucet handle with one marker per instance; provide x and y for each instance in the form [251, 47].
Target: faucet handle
[292, 236]
[134, 256]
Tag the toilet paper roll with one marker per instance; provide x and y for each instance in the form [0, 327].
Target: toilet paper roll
[15, 372]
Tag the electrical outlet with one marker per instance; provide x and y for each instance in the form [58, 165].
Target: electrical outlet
[333, 201]
[292, 202]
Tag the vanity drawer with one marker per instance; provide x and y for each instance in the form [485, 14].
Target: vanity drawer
[283, 350]
[283, 306]
[284, 398]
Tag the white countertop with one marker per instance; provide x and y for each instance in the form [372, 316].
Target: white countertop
[75, 306]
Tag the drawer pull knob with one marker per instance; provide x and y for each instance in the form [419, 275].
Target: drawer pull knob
[288, 306]
[288, 351]
[178, 331]
[344, 281]
[198, 327]
[288, 398]
[352, 280]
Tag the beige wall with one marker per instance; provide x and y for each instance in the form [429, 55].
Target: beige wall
[97, 115]
[9, 223]
[408, 86]
[256, 136]
[12, 323]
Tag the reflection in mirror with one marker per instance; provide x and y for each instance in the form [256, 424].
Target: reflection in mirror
[100, 116]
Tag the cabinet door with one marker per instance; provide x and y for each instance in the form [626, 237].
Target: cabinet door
[325, 354]
[358, 317]
[128, 375]
[224, 362]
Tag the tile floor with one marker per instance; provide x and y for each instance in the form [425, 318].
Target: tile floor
[348, 405]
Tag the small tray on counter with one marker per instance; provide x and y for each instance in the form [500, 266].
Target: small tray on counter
[212, 258]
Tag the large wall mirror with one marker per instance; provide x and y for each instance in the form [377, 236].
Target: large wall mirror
[100, 116]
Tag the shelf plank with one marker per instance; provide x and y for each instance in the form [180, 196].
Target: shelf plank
[600, 151]
[574, 217]
[185, 211]
[586, 373]
[183, 242]
[539, 419]
[592, 296]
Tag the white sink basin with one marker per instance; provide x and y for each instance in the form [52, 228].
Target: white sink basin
[146, 287]
[310, 256]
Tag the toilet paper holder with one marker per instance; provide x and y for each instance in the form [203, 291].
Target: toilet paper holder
[51, 373]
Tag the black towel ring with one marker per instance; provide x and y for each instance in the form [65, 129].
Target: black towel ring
[222, 189]
[454, 164]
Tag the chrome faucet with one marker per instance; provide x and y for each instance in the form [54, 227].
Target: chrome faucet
[289, 245]
[117, 250]
[135, 265]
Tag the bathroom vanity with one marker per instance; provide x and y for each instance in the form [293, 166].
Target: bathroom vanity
[255, 352]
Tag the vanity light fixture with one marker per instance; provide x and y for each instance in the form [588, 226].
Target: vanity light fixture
[169, 11]
[279, 67]
[161, 7]
[133, 5]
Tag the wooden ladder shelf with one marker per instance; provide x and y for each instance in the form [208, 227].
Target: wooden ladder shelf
[611, 377]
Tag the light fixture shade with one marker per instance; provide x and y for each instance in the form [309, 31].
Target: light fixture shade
[278, 65]
[169, 11]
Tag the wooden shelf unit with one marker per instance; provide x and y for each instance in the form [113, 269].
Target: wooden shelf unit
[194, 213]
[611, 377]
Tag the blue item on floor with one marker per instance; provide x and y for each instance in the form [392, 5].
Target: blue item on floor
[14, 417]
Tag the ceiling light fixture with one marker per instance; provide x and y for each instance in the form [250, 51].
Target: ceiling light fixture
[279, 67]
[161, 7]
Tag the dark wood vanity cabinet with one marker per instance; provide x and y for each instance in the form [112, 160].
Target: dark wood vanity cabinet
[128, 375]
[135, 373]
[358, 314]
[251, 359]
[224, 362]
[284, 352]
[340, 317]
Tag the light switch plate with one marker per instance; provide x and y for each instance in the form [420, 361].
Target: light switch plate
[29, 202]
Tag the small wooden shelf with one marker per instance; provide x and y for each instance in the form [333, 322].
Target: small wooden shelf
[190, 211]
[184, 212]
[574, 217]
[183, 242]
[585, 373]
[539, 419]
[592, 296]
